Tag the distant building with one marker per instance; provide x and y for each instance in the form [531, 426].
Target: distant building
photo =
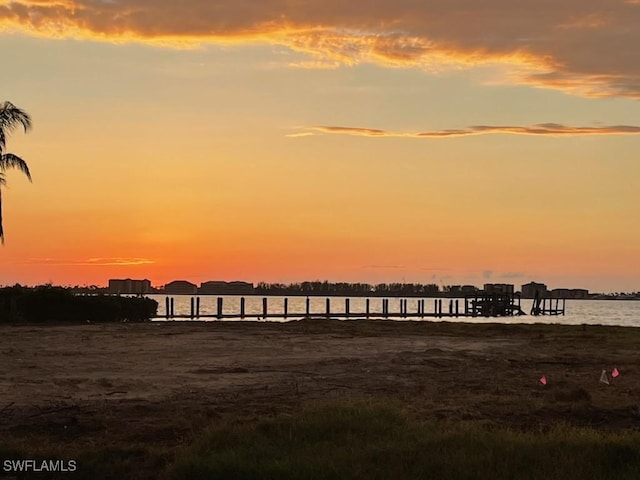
[500, 288]
[573, 293]
[181, 287]
[225, 288]
[529, 290]
[129, 286]
[560, 293]
[118, 286]
[461, 290]
[454, 290]
[212, 287]
[469, 289]
[579, 293]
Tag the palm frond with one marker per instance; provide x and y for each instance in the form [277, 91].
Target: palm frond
[1, 229]
[11, 117]
[9, 160]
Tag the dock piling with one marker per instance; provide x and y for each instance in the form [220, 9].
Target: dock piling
[478, 305]
[219, 315]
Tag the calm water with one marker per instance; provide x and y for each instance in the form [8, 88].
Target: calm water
[603, 312]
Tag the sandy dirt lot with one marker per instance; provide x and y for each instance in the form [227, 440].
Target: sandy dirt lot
[159, 383]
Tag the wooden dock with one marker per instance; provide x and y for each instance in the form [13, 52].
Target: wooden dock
[544, 306]
[502, 304]
[480, 305]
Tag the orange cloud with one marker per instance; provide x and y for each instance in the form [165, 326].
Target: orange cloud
[586, 47]
[545, 129]
[88, 262]
[592, 20]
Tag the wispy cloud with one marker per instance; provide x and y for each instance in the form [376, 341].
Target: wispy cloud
[382, 267]
[119, 261]
[301, 134]
[315, 65]
[587, 47]
[545, 129]
[96, 262]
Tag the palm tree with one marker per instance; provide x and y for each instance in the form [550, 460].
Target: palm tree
[11, 117]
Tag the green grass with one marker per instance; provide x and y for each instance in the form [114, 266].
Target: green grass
[92, 462]
[375, 441]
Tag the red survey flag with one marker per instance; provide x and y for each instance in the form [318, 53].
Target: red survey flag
[615, 373]
[543, 380]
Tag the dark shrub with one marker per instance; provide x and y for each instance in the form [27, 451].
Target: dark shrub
[57, 304]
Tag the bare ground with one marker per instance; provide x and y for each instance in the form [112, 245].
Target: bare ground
[158, 384]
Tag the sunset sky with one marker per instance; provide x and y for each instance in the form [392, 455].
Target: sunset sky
[457, 142]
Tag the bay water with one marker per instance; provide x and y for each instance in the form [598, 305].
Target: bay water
[577, 312]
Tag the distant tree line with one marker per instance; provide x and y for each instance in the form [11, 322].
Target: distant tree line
[320, 288]
[326, 288]
[88, 290]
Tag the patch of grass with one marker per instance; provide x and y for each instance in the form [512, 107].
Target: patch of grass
[108, 463]
[377, 441]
